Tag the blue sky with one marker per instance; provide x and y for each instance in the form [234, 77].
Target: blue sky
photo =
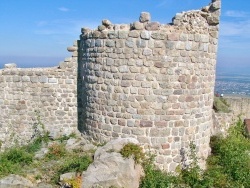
[37, 33]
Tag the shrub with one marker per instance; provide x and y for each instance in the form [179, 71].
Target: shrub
[133, 150]
[155, 178]
[232, 155]
[56, 151]
[74, 164]
[13, 159]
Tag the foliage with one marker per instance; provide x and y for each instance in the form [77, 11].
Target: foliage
[75, 183]
[56, 151]
[221, 105]
[133, 150]
[228, 166]
[74, 163]
[155, 178]
[231, 155]
[191, 174]
[13, 159]
[37, 143]
[66, 137]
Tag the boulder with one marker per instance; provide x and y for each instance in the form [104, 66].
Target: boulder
[15, 181]
[111, 169]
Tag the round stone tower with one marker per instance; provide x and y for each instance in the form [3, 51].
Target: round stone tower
[151, 81]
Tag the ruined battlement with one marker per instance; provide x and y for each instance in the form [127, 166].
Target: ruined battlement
[151, 81]
[146, 80]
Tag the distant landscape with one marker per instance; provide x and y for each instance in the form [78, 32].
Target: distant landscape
[235, 82]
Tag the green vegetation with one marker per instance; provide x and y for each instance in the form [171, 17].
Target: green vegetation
[133, 150]
[221, 105]
[14, 159]
[20, 160]
[228, 166]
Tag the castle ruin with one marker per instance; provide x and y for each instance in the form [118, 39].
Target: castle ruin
[151, 81]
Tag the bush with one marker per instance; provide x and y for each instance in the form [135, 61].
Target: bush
[12, 160]
[133, 150]
[74, 164]
[56, 151]
[232, 155]
[155, 178]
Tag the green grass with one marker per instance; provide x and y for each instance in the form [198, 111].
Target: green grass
[20, 160]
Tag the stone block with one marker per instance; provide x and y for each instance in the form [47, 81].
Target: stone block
[153, 26]
[138, 25]
[145, 35]
[52, 80]
[122, 34]
[145, 17]
[43, 79]
[145, 123]
[134, 34]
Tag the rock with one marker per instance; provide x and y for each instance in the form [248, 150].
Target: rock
[215, 6]
[67, 176]
[153, 26]
[106, 23]
[85, 30]
[137, 25]
[72, 48]
[44, 185]
[79, 144]
[10, 66]
[101, 27]
[111, 169]
[15, 181]
[145, 17]
[41, 153]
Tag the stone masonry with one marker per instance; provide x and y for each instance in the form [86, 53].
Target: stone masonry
[35, 100]
[146, 80]
[151, 81]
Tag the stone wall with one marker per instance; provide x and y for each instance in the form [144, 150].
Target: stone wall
[151, 81]
[35, 100]
[239, 106]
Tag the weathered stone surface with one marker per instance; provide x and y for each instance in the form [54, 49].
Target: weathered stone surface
[153, 26]
[111, 168]
[14, 181]
[10, 65]
[106, 23]
[45, 93]
[145, 17]
[128, 81]
[138, 25]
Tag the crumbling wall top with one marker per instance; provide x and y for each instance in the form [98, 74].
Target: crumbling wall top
[190, 20]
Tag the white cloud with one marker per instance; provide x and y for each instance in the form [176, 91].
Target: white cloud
[240, 29]
[42, 23]
[63, 9]
[64, 27]
[236, 14]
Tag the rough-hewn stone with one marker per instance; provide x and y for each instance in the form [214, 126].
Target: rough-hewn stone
[155, 77]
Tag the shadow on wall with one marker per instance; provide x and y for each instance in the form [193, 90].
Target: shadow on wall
[81, 95]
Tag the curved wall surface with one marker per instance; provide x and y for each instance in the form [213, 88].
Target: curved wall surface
[151, 81]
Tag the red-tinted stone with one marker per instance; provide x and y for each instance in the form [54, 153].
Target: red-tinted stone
[165, 146]
[145, 123]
